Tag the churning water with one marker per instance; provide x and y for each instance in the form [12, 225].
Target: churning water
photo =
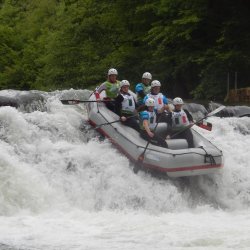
[63, 188]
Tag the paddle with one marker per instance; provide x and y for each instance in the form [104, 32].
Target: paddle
[72, 102]
[96, 92]
[197, 122]
[108, 123]
[141, 156]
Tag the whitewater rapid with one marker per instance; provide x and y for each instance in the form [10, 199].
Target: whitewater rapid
[61, 187]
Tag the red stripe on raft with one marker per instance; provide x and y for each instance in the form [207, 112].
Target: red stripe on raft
[209, 128]
[178, 169]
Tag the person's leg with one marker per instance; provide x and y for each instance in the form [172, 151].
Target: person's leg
[155, 140]
[162, 117]
[111, 106]
[187, 134]
[132, 122]
[159, 141]
[144, 135]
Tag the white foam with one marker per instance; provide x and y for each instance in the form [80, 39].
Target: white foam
[58, 191]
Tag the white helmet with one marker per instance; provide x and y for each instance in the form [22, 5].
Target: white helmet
[112, 72]
[150, 102]
[124, 83]
[155, 83]
[177, 101]
[147, 75]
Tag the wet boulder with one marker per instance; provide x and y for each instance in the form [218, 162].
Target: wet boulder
[8, 101]
[230, 111]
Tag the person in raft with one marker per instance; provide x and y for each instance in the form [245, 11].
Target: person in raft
[148, 124]
[112, 87]
[143, 88]
[161, 101]
[126, 106]
[179, 119]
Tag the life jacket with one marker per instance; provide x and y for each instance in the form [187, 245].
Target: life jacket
[158, 100]
[146, 90]
[112, 89]
[150, 116]
[179, 119]
[128, 104]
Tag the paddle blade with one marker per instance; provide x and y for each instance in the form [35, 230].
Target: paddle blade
[139, 164]
[136, 168]
[215, 111]
[141, 158]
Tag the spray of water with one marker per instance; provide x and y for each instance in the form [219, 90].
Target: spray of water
[53, 161]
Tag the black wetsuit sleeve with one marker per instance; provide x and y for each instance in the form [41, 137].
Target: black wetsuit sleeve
[169, 119]
[189, 116]
[118, 104]
[136, 104]
[141, 108]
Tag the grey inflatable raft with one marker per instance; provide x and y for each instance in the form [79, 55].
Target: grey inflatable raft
[176, 161]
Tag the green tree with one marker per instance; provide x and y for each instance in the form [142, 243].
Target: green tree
[189, 46]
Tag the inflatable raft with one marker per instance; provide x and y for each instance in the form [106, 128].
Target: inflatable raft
[176, 161]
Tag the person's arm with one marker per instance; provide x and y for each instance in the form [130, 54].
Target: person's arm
[141, 108]
[166, 106]
[146, 126]
[102, 87]
[145, 123]
[118, 104]
[145, 99]
[141, 93]
[169, 119]
[170, 124]
[139, 90]
[189, 116]
[136, 104]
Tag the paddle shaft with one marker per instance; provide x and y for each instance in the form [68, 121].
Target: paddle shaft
[141, 157]
[72, 102]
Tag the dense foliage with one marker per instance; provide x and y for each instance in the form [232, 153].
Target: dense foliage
[190, 46]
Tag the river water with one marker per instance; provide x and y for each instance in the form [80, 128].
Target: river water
[61, 187]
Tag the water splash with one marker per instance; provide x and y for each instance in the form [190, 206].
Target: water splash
[53, 161]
